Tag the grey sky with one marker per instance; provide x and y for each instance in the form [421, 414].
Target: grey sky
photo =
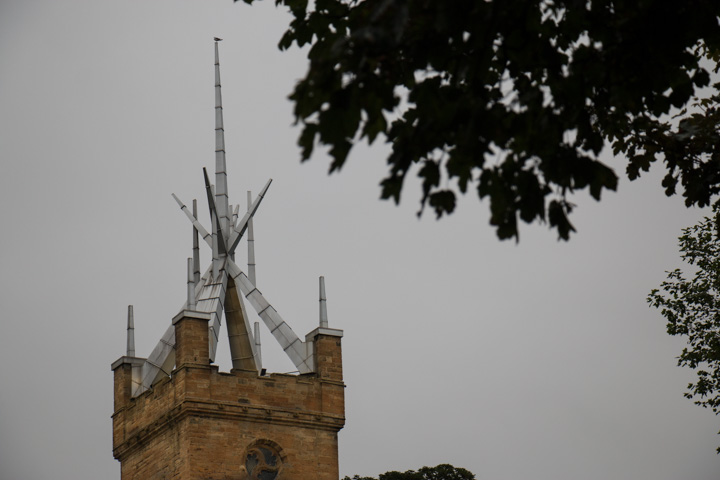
[539, 360]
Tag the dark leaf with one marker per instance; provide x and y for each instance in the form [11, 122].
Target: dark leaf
[547, 86]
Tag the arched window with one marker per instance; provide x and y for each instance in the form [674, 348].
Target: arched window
[263, 460]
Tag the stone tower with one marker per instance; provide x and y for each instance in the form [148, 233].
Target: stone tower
[176, 417]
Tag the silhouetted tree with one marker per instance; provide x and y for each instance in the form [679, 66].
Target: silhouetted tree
[692, 309]
[441, 472]
[515, 98]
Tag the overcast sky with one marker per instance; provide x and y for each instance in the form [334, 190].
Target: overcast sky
[538, 360]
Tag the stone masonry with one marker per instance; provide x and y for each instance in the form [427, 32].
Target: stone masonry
[200, 424]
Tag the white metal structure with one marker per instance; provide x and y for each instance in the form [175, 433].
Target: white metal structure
[224, 287]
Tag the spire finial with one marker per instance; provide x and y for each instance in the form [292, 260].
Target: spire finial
[221, 194]
[323, 305]
[130, 332]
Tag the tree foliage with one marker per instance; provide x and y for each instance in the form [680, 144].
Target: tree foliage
[513, 98]
[441, 472]
[691, 307]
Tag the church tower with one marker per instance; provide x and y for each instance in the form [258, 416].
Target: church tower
[176, 417]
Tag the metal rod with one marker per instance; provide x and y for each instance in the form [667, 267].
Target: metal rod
[251, 242]
[218, 244]
[215, 256]
[130, 350]
[196, 248]
[217, 226]
[242, 224]
[323, 305]
[283, 333]
[193, 219]
[190, 284]
[258, 347]
[231, 228]
[236, 210]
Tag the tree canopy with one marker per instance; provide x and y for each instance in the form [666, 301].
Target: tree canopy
[691, 307]
[441, 472]
[514, 98]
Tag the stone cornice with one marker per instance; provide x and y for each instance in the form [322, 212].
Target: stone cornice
[245, 412]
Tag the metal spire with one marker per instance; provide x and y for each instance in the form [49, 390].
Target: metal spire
[196, 248]
[235, 214]
[323, 305]
[221, 195]
[193, 219]
[241, 226]
[190, 285]
[130, 332]
[251, 242]
[258, 347]
[223, 288]
[218, 232]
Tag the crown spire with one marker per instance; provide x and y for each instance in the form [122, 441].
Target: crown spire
[224, 288]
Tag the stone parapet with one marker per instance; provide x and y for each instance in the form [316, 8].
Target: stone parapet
[200, 422]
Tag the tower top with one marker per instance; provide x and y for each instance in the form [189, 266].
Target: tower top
[224, 286]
